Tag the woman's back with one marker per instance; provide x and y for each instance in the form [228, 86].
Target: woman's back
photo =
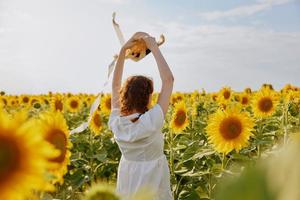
[143, 163]
[141, 140]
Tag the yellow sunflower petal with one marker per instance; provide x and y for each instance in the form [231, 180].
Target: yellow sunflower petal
[229, 129]
[179, 119]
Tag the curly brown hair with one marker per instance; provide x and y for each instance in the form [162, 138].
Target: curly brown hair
[135, 94]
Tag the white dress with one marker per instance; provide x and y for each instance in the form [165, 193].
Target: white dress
[143, 163]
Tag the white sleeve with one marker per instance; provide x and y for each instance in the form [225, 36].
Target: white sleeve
[153, 119]
[115, 112]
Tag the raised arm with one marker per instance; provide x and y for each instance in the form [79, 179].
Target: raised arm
[118, 72]
[166, 75]
[117, 79]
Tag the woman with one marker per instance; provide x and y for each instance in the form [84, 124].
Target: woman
[137, 130]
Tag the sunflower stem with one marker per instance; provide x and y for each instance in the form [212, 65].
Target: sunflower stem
[91, 139]
[223, 161]
[209, 186]
[171, 156]
[260, 133]
[285, 123]
[177, 188]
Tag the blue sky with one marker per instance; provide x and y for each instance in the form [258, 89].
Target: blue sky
[66, 45]
[283, 17]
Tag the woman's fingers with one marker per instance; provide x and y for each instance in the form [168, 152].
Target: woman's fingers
[150, 41]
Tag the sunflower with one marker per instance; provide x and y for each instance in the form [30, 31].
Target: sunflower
[53, 127]
[106, 104]
[101, 191]
[45, 100]
[195, 96]
[13, 101]
[196, 106]
[214, 96]
[223, 106]
[4, 101]
[244, 99]
[90, 99]
[24, 156]
[176, 97]
[153, 100]
[292, 96]
[35, 100]
[96, 123]
[84, 98]
[69, 94]
[1, 104]
[57, 103]
[229, 129]
[73, 104]
[267, 86]
[264, 102]
[224, 95]
[287, 88]
[25, 100]
[179, 119]
[248, 90]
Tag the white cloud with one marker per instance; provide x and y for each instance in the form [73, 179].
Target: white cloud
[211, 56]
[70, 51]
[246, 10]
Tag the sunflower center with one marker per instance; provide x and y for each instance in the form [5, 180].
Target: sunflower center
[231, 128]
[179, 98]
[214, 97]
[46, 101]
[58, 105]
[74, 104]
[108, 103]
[265, 104]
[58, 138]
[10, 158]
[97, 120]
[226, 94]
[248, 90]
[180, 117]
[244, 100]
[25, 99]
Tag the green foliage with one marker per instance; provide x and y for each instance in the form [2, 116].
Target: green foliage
[196, 168]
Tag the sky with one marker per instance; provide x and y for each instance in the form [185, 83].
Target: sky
[66, 45]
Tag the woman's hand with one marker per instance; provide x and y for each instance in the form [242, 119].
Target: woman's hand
[150, 42]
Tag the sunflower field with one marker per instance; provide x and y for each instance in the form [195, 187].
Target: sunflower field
[208, 137]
